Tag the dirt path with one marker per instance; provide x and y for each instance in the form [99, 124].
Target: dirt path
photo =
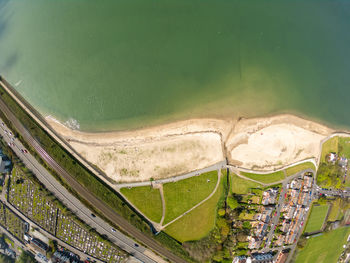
[194, 207]
[163, 203]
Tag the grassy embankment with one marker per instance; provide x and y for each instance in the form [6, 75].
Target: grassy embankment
[271, 177]
[242, 186]
[200, 221]
[324, 248]
[328, 146]
[338, 209]
[147, 200]
[317, 217]
[79, 172]
[183, 195]
[300, 167]
[266, 178]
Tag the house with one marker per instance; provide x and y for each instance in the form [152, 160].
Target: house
[343, 162]
[38, 246]
[332, 157]
[262, 257]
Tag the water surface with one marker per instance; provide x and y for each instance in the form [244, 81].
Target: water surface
[117, 64]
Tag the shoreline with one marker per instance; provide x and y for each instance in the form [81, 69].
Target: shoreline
[179, 147]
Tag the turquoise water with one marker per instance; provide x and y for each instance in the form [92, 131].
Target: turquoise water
[117, 64]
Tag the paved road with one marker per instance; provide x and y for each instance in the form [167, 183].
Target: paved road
[82, 255]
[76, 206]
[70, 201]
[217, 166]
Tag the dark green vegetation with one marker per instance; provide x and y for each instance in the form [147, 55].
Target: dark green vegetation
[332, 174]
[146, 199]
[13, 223]
[232, 226]
[317, 217]
[200, 221]
[6, 259]
[324, 248]
[266, 178]
[329, 176]
[26, 257]
[183, 195]
[338, 208]
[80, 173]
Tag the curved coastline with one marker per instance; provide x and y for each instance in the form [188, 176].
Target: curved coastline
[187, 146]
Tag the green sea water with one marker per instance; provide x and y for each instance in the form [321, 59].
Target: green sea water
[117, 64]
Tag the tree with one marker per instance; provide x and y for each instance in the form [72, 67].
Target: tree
[26, 257]
[232, 202]
[6, 259]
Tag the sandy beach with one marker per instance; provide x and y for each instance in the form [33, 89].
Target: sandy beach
[184, 146]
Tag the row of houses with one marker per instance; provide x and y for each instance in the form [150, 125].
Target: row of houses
[294, 209]
[260, 225]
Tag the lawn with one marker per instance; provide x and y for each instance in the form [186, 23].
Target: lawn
[300, 167]
[316, 218]
[183, 195]
[325, 248]
[335, 210]
[242, 186]
[199, 222]
[344, 146]
[329, 146]
[146, 199]
[266, 178]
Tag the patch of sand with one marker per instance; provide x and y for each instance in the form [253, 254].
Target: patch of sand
[156, 152]
[180, 147]
[269, 143]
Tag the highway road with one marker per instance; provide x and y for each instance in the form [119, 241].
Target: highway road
[76, 206]
[70, 201]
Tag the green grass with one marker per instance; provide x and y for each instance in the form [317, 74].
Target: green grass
[325, 248]
[329, 146]
[266, 178]
[183, 195]
[335, 210]
[147, 200]
[300, 167]
[199, 222]
[242, 186]
[317, 217]
[344, 146]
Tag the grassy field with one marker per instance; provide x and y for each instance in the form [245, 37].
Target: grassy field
[242, 186]
[344, 146]
[147, 200]
[297, 168]
[329, 146]
[325, 248]
[266, 178]
[317, 217]
[183, 195]
[335, 210]
[198, 223]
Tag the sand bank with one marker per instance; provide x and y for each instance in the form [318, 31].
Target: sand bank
[270, 143]
[180, 147]
[156, 152]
